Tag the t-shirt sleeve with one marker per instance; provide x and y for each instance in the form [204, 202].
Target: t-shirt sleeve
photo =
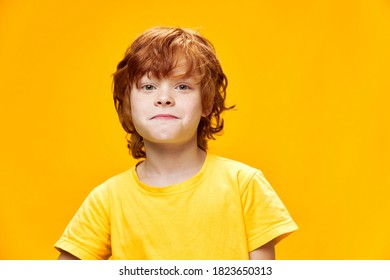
[266, 217]
[87, 236]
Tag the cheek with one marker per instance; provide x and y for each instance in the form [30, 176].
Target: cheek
[195, 114]
[136, 104]
[136, 112]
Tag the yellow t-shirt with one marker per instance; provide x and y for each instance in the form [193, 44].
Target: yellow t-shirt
[225, 211]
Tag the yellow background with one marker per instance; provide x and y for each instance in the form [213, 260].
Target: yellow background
[310, 80]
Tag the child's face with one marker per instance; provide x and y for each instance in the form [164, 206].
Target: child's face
[167, 110]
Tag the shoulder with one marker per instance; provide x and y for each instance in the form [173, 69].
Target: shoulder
[113, 184]
[233, 170]
[233, 167]
[101, 196]
[122, 178]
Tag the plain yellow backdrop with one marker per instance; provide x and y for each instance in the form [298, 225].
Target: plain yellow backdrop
[310, 80]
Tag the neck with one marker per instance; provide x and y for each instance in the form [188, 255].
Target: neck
[170, 164]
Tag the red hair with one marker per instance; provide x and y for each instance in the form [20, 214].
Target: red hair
[157, 52]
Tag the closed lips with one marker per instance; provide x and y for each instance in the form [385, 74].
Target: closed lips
[164, 116]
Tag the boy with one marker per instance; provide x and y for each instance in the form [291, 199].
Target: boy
[180, 202]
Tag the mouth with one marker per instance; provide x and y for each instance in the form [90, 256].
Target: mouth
[164, 117]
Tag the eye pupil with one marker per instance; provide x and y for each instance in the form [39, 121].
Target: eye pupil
[148, 87]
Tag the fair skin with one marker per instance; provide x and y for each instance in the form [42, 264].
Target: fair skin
[166, 113]
[265, 252]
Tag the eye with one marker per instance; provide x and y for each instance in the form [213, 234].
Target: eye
[148, 87]
[183, 87]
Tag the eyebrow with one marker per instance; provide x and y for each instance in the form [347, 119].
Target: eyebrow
[175, 78]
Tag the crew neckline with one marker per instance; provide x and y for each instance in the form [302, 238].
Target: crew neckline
[183, 186]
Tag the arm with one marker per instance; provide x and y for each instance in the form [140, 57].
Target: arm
[264, 213]
[67, 256]
[265, 252]
[87, 236]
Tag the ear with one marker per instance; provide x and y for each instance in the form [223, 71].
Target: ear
[207, 111]
[207, 105]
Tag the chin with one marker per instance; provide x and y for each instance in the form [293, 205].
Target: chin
[168, 140]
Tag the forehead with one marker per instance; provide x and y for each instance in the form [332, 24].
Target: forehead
[180, 69]
[161, 59]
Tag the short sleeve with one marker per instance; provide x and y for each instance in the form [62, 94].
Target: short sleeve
[266, 217]
[87, 236]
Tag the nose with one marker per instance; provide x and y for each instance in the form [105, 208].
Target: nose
[164, 98]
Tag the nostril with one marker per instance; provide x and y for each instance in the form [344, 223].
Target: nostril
[164, 102]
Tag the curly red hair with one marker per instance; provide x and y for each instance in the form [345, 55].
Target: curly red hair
[157, 52]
